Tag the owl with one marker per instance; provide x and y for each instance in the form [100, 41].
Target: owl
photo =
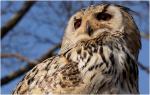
[99, 55]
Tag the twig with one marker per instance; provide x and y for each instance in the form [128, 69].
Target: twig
[16, 55]
[145, 35]
[16, 18]
[146, 69]
[16, 74]
[29, 66]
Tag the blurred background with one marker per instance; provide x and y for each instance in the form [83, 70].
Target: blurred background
[32, 32]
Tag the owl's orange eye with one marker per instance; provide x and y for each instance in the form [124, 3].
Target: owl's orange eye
[77, 23]
[103, 16]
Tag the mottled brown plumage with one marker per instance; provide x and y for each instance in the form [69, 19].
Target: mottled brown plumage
[99, 55]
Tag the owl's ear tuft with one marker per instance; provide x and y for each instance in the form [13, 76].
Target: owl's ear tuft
[126, 9]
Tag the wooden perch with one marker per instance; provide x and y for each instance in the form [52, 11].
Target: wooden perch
[16, 18]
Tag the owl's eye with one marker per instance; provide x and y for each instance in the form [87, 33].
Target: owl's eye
[103, 16]
[77, 23]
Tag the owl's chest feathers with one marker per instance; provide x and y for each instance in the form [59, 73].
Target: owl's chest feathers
[106, 66]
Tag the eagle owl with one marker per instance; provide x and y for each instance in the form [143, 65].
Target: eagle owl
[99, 55]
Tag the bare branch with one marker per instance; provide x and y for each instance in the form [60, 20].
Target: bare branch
[146, 69]
[145, 35]
[16, 74]
[16, 55]
[16, 18]
[29, 66]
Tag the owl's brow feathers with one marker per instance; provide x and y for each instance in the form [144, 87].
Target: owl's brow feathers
[126, 9]
[105, 8]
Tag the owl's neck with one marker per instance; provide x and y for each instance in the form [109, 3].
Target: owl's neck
[104, 38]
[111, 61]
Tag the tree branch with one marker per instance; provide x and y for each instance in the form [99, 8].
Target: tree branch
[16, 55]
[146, 69]
[29, 66]
[16, 74]
[16, 18]
[145, 35]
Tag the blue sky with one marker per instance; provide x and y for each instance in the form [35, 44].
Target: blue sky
[20, 39]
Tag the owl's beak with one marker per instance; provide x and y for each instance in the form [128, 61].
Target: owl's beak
[89, 30]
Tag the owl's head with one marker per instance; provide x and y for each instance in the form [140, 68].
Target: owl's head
[91, 22]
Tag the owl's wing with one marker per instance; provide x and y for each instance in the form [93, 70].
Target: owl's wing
[54, 75]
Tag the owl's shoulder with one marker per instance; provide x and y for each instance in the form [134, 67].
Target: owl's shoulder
[54, 75]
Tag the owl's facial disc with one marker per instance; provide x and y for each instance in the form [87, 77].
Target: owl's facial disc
[96, 19]
[90, 23]
[93, 21]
